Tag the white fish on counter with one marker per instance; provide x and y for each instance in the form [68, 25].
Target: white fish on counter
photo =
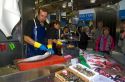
[35, 58]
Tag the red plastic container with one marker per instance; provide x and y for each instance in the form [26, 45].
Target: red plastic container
[55, 59]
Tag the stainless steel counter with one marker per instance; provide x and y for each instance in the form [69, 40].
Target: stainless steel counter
[44, 74]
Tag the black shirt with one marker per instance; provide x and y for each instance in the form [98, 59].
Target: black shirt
[30, 25]
[38, 34]
[52, 33]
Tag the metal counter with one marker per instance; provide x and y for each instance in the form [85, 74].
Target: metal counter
[44, 74]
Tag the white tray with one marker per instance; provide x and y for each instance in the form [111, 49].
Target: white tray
[76, 71]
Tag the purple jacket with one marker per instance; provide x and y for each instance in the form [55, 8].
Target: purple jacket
[104, 43]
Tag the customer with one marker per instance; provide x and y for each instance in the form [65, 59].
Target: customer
[105, 43]
[98, 32]
[65, 33]
[121, 42]
[35, 34]
[83, 43]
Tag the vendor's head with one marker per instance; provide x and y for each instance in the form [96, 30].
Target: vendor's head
[42, 14]
[106, 31]
[55, 24]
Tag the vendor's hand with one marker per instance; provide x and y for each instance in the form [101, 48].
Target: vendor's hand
[43, 47]
[61, 46]
[51, 51]
[60, 43]
[40, 46]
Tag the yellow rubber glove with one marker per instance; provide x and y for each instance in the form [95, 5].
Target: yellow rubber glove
[40, 46]
[37, 44]
[50, 49]
[49, 46]
[59, 43]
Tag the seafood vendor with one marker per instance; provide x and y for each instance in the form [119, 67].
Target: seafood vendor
[35, 34]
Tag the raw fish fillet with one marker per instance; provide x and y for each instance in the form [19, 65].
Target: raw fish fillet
[35, 58]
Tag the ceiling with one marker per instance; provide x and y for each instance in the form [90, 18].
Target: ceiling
[83, 4]
[54, 5]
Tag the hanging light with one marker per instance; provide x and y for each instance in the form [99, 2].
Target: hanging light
[108, 6]
[92, 1]
[69, 4]
[64, 5]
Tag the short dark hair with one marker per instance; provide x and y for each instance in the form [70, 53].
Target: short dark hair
[54, 22]
[43, 9]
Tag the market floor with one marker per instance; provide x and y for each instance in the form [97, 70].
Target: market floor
[8, 70]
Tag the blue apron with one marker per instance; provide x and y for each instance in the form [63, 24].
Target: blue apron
[38, 34]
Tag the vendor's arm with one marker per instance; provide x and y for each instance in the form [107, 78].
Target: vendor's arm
[28, 34]
[36, 44]
[29, 40]
[49, 46]
[58, 42]
[52, 37]
[50, 42]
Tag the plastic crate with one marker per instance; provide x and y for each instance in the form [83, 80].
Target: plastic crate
[62, 79]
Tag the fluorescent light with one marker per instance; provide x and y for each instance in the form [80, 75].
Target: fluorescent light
[64, 5]
[108, 5]
[92, 1]
[69, 4]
